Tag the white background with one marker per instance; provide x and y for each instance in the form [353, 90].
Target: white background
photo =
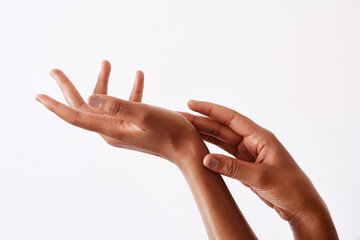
[292, 66]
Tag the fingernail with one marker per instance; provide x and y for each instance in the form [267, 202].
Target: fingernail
[95, 102]
[212, 163]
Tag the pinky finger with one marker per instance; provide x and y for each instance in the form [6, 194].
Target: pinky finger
[138, 88]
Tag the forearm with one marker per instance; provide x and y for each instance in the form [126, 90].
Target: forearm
[315, 224]
[220, 213]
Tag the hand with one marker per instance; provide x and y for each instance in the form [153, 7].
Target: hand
[126, 124]
[133, 125]
[102, 88]
[261, 163]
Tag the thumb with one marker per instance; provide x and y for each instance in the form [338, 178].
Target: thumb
[125, 110]
[231, 167]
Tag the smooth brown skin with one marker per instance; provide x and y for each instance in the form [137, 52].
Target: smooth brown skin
[134, 125]
[263, 164]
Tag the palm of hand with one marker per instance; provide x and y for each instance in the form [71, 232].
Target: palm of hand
[272, 173]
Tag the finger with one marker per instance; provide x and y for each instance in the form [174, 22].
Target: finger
[223, 145]
[93, 122]
[220, 135]
[232, 149]
[234, 120]
[125, 110]
[72, 96]
[103, 79]
[213, 128]
[138, 88]
[231, 167]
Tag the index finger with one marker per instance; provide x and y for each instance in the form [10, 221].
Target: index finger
[138, 88]
[234, 120]
[103, 124]
[71, 94]
[213, 128]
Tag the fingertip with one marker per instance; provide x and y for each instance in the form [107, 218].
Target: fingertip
[140, 74]
[38, 98]
[54, 71]
[42, 98]
[105, 63]
[210, 161]
[189, 102]
[206, 160]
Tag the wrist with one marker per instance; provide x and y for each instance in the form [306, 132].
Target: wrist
[191, 156]
[314, 223]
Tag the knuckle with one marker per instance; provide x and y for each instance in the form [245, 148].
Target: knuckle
[138, 91]
[216, 131]
[79, 102]
[146, 116]
[115, 108]
[76, 119]
[268, 136]
[231, 168]
[271, 134]
[210, 110]
[229, 120]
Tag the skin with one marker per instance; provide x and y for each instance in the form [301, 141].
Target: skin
[158, 131]
[263, 164]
